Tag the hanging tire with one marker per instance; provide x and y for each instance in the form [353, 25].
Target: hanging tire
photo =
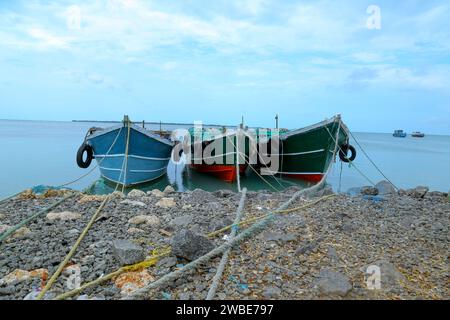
[89, 156]
[343, 153]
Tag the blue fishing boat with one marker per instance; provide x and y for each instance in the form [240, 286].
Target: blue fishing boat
[126, 154]
[399, 134]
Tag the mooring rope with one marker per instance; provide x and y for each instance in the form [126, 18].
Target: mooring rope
[247, 233]
[224, 260]
[80, 238]
[11, 230]
[248, 163]
[137, 266]
[278, 212]
[77, 179]
[97, 165]
[24, 222]
[352, 163]
[258, 154]
[10, 197]
[372, 162]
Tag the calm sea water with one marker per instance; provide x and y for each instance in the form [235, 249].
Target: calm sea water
[43, 153]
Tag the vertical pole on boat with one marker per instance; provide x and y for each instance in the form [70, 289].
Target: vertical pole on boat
[238, 178]
[126, 121]
[160, 126]
[276, 121]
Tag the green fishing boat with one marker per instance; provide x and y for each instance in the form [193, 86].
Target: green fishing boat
[307, 153]
[213, 151]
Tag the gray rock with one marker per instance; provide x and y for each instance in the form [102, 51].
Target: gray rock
[128, 252]
[220, 223]
[111, 291]
[133, 203]
[168, 190]
[418, 192]
[332, 254]
[308, 246]
[189, 245]
[369, 191]
[73, 232]
[354, 191]
[436, 194]
[135, 193]
[390, 276]
[272, 292]
[221, 296]
[167, 262]
[348, 227]
[384, 187]
[283, 237]
[223, 193]
[200, 196]
[182, 221]
[7, 291]
[184, 296]
[333, 283]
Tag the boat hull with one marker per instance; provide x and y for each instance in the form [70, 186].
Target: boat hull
[418, 135]
[220, 163]
[147, 159]
[227, 173]
[307, 153]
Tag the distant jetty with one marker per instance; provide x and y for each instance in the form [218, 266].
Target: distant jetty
[157, 123]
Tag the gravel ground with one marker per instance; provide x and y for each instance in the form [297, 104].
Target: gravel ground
[321, 252]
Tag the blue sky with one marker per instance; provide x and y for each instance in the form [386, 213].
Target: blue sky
[214, 61]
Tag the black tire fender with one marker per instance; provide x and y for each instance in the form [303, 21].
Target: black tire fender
[343, 153]
[90, 155]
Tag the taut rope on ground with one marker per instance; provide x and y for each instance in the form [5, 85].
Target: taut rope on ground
[224, 260]
[77, 179]
[8, 232]
[371, 161]
[247, 233]
[144, 264]
[350, 161]
[82, 235]
[11, 230]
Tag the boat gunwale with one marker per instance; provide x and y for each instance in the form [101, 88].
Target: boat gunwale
[315, 126]
[146, 132]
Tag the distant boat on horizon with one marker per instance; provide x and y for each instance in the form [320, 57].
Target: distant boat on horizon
[418, 134]
[399, 134]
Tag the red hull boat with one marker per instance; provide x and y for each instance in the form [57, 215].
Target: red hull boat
[226, 173]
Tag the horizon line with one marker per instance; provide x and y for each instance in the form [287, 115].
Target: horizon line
[176, 123]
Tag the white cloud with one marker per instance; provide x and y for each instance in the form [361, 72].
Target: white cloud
[370, 57]
[322, 40]
[47, 40]
[251, 7]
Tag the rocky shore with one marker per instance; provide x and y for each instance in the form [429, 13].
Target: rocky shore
[332, 250]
